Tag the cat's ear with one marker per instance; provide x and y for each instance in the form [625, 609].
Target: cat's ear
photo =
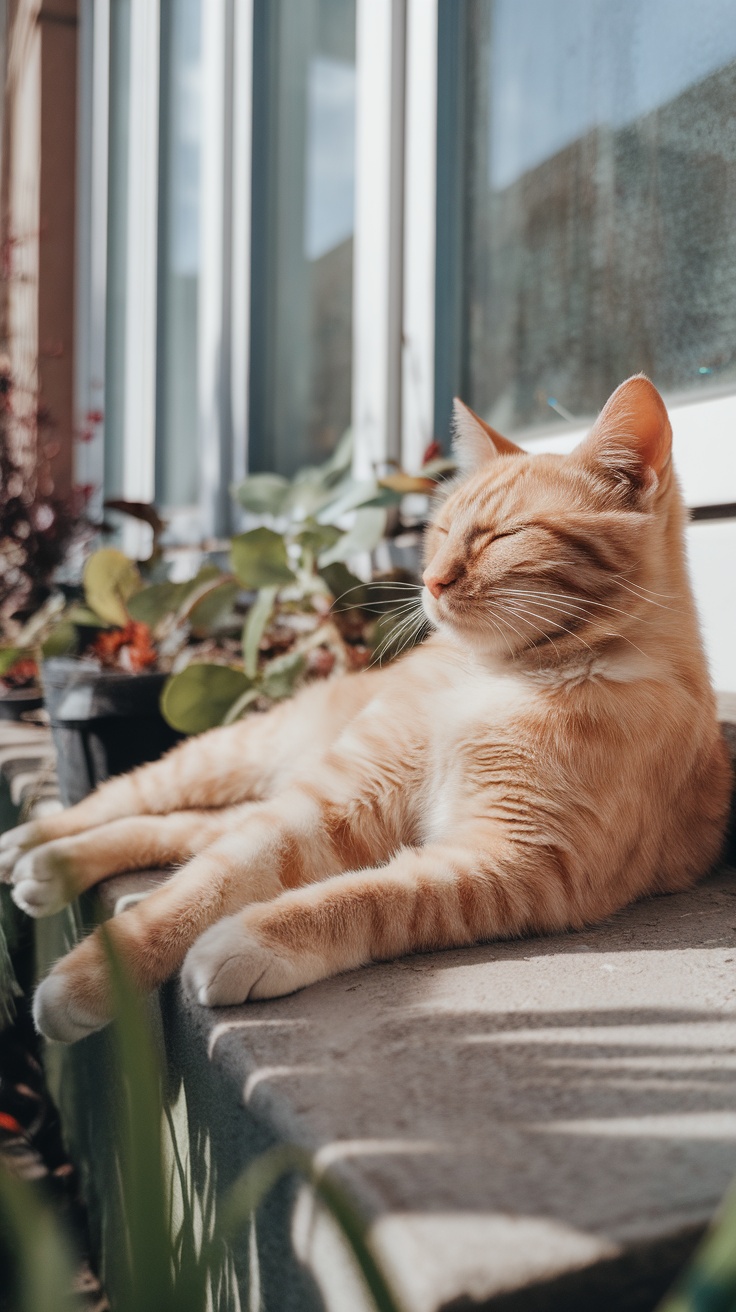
[632, 434]
[474, 442]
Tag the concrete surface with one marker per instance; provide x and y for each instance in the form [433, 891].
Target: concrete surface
[547, 1124]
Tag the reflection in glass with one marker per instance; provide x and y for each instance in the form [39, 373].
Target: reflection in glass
[177, 462]
[600, 236]
[303, 189]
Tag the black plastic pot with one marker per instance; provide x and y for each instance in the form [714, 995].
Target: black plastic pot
[15, 704]
[103, 722]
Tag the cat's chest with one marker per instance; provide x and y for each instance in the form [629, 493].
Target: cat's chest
[473, 705]
[472, 721]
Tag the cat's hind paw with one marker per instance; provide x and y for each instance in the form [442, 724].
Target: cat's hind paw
[229, 964]
[42, 881]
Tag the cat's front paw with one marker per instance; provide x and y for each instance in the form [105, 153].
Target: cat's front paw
[230, 963]
[57, 1013]
[13, 843]
[42, 881]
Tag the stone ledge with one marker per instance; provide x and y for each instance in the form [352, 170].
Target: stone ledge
[545, 1124]
[514, 1113]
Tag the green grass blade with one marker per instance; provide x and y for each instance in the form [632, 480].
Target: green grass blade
[43, 1254]
[260, 1177]
[709, 1282]
[141, 1157]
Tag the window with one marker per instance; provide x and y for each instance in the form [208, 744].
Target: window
[302, 237]
[332, 212]
[599, 192]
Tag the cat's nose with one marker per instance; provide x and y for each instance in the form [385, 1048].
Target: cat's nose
[436, 582]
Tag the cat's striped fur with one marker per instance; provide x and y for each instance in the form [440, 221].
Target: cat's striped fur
[551, 753]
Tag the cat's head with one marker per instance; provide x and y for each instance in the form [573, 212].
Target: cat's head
[541, 556]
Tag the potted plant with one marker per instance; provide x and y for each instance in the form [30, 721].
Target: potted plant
[132, 659]
[37, 529]
[309, 615]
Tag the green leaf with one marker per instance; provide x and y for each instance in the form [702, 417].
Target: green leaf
[367, 531]
[263, 494]
[342, 457]
[315, 538]
[110, 580]
[347, 590]
[86, 618]
[41, 1252]
[214, 609]
[143, 1179]
[253, 629]
[356, 494]
[8, 657]
[260, 560]
[9, 986]
[281, 676]
[200, 696]
[61, 641]
[265, 1172]
[151, 605]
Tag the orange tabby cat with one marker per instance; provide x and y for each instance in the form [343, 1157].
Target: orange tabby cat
[551, 753]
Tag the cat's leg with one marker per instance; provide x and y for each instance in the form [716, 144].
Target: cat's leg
[46, 878]
[249, 760]
[308, 833]
[440, 896]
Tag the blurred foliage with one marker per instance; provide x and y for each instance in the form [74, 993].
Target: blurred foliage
[284, 609]
[709, 1281]
[167, 1263]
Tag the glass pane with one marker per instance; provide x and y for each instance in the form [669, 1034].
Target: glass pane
[303, 191]
[177, 457]
[117, 244]
[600, 199]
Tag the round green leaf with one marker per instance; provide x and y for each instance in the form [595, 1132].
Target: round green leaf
[200, 696]
[368, 528]
[61, 641]
[151, 604]
[214, 609]
[348, 591]
[314, 537]
[110, 580]
[260, 560]
[263, 494]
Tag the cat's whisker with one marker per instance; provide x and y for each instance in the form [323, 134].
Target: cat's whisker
[504, 617]
[520, 611]
[641, 587]
[525, 620]
[632, 588]
[395, 584]
[498, 629]
[587, 601]
[406, 627]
